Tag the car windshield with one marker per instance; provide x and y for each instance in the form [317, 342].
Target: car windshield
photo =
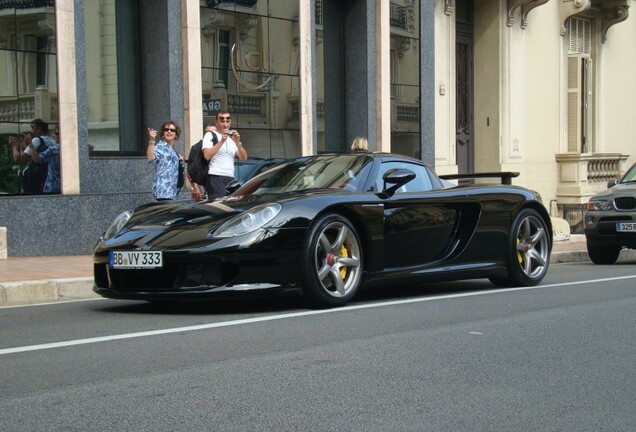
[243, 171]
[630, 176]
[347, 172]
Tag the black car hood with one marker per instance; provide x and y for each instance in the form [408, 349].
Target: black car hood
[193, 212]
[178, 224]
[188, 223]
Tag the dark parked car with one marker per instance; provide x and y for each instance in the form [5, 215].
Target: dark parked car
[610, 220]
[326, 225]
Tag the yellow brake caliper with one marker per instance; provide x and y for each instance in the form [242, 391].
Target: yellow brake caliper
[519, 255]
[343, 253]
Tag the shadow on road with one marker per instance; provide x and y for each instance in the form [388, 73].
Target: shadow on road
[289, 302]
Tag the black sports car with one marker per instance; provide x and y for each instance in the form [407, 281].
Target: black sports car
[327, 225]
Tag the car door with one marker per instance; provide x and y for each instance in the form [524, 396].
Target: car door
[419, 222]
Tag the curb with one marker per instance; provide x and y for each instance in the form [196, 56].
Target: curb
[46, 291]
[582, 256]
[569, 257]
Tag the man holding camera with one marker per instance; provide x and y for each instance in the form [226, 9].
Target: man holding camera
[42, 153]
[221, 154]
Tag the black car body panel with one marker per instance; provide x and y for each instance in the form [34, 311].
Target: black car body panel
[408, 236]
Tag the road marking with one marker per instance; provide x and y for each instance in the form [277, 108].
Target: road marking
[53, 303]
[86, 341]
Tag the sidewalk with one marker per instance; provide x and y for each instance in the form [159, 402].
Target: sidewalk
[31, 280]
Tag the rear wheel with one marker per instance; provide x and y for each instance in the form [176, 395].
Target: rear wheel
[603, 254]
[333, 259]
[529, 251]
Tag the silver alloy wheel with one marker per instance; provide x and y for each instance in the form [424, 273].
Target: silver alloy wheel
[337, 258]
[533, 251]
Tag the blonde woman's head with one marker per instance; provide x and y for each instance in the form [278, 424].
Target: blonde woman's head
[360, 144]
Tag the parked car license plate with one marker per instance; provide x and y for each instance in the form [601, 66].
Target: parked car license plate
[626, 227]
[135, 259]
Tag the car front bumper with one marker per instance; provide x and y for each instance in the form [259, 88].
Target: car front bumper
[274, 264]
[600, 229]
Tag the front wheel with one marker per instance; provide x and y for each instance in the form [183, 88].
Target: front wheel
[333, 260]
[528, 251]
[603, 255]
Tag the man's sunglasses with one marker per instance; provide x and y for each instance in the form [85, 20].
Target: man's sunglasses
[170, 130]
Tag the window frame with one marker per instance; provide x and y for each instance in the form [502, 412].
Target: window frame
[582, 92]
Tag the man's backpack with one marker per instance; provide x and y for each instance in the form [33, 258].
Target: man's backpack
[197, 163]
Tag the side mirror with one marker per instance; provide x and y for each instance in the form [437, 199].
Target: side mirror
[396, 178]
[232, 186]
[611, 183]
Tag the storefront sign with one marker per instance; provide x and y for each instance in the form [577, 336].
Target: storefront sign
[211, 107]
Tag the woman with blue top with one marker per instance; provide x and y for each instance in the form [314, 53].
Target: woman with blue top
[166, 160]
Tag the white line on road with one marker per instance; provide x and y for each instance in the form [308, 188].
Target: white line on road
[289, 315]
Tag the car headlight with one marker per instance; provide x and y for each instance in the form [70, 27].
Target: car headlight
[118, 224]
[248, 221]
[602, 205]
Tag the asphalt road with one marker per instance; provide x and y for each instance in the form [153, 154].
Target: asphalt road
[447, 357]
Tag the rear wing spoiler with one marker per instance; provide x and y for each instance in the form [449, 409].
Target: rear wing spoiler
[505, 176]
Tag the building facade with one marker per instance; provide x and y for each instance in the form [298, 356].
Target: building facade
[542, 87]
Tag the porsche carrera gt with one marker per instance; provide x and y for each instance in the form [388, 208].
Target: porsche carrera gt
[327, 226]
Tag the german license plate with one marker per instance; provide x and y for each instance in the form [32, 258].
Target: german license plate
[135, 259]
[626, 226]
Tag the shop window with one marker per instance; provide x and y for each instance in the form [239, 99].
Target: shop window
[113, 81]
[28, 84]
[405, 78]
[249, 60]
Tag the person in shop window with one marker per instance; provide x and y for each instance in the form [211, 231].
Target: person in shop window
[51, 157]
[27, 149]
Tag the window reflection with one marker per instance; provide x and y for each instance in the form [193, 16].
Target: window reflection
[28, 82]
[405, 79]
[113, 81]
[320, 79]
[250, 67]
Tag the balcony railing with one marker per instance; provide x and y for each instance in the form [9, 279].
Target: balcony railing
[408, 113]
[602, 170]
[26, 4]
[318, 12]
[587, 171]
[244, 3]
[397, 16]
[28, 107]
[253, 105]
[580, 177]
[294, 110]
